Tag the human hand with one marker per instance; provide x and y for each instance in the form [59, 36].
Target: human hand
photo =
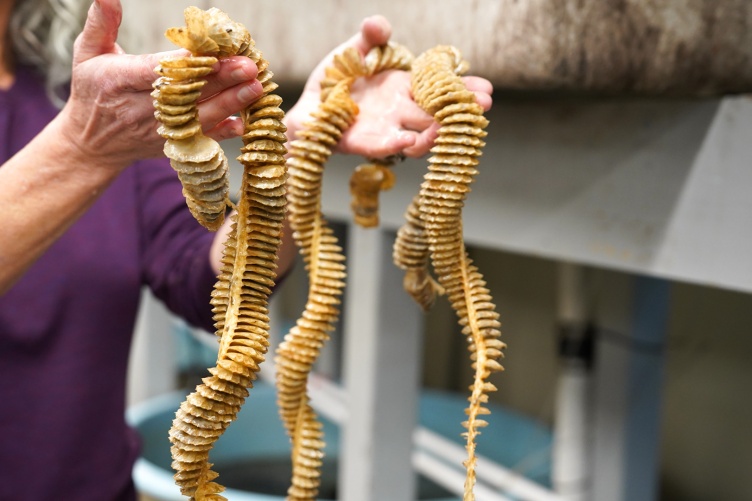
[109, 116]
[389, 121]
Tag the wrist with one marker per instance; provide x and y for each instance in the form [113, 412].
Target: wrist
[300, 113]
[67, 139]
[292, 124]
[72, 164]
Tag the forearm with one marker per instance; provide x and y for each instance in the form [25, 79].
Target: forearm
[44, 188]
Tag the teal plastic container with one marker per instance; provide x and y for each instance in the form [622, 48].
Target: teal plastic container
[252, 457]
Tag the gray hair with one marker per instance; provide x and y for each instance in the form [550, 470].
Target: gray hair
[42, 33]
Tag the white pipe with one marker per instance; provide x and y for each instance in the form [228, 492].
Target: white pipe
[570, 466]
[451, 478]
[487, 470]
[570, 455]
[571, 297]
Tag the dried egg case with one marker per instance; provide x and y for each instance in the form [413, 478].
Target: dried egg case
[248, 270]
[439, 90]
[433, 229]
[322, 255]
[411, 253]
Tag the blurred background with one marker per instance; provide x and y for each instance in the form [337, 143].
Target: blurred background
[611, 219]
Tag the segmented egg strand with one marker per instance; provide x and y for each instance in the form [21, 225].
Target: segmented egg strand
[199, 160]
[438, 89]
[411, 253]
[248, 266]
[322, 255]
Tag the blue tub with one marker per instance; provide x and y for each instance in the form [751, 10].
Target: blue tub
[252, 456]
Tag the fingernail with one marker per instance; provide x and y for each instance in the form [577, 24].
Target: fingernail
[240, 74]
[250, 91]
[244, 72]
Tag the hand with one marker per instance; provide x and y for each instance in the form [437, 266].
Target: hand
[389, 121]
[110, 116]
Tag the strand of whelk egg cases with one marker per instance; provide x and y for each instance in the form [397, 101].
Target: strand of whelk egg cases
[240, 296]
[411, 253]
[199, 161]
[439, 90]
[322, 255]
[368, 180]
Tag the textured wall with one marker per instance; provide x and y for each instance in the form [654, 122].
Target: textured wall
[604, 46]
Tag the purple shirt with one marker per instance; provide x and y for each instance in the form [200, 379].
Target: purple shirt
[65, 327]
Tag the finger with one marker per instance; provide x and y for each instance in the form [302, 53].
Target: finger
[226, 129]
[478, 84]
[484, 100]
[136, 73]
[229, 72]
[100, 31]
[482, 89]
[229, 102]
[374, 30]
[415, 119]
[423, 142]
[226, 73]
[376, 146]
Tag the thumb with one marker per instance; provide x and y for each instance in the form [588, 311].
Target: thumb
[100, 31]
[374, 30]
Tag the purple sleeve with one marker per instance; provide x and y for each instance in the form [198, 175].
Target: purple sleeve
[174, 247]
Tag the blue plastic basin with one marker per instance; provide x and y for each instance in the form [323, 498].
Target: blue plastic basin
[254, 450]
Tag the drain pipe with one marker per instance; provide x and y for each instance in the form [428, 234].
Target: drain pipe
[571, 445]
